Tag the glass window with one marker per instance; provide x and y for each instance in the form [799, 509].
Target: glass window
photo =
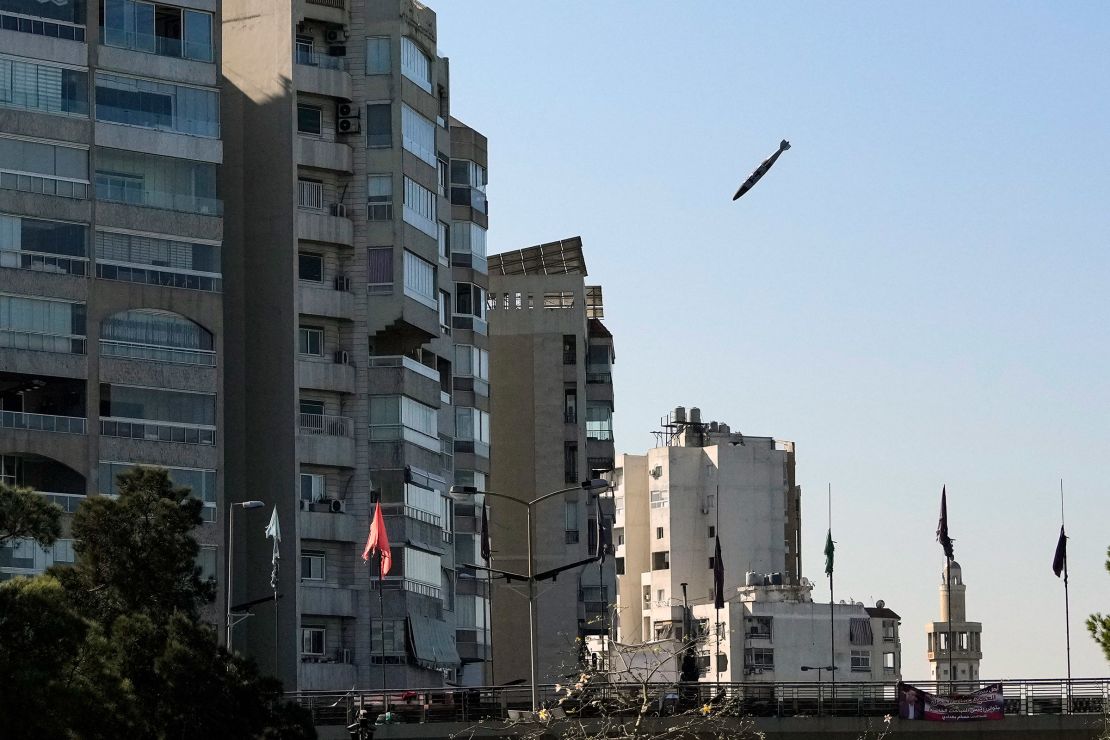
[313, 565]
[309, 119]
[310, 267]
[861, 660]
[36, 86]
[415, 64]
[470, 300]
[468, 237]
[379, 197]
[41, 324]
[164, 261]
[387, 637]
[23, 234]
[377, 55]
[422, 567]
[379, 125]
[69, 11]
[198, 36]
[420, 279]
[310, 341]
[157, 404]
[158, 29]
[379, 278]
[160, 336]
[313, 640]
[472, 424]
[201, 483]
[312, 487]
[418, 135]
[420, 208]
[158, 105]
[158, 182]
[599, 420]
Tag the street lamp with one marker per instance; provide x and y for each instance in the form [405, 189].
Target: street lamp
[231, 554]
[463, 493]
[819, 668]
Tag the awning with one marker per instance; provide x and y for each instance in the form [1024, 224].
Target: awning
[433, 643]
[859, 631]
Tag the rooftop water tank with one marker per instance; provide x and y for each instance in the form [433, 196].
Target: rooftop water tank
[680, 414]
[695, 415]
[753, 579]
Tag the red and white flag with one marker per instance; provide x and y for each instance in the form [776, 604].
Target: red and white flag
[378, 541]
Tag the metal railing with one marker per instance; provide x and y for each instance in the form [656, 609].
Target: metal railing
[171, 355]
[1021, 697]
[407, 362]
[132, 273]
[45, 262]
[67, 501]
[30, 182]
[39, 342]
[331, 426]
[310, 195]
[42, 422]
[124, 190]
[328, 3]
[312, 58]
[160, 431]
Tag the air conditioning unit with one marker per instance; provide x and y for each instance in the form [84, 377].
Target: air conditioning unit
[657, 471]
[342, 357]
[336, 35]
[348, 118]
[342, 282]
[338, 209]
[335, 506]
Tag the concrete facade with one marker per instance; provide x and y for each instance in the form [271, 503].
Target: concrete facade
[111, 241]
[960, 659]
[349, 180]
[552, 427]
[674, 501]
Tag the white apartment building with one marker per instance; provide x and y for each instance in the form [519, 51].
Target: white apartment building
[703, 481]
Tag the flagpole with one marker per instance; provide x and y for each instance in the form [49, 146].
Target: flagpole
[832, 619]
[951, 667]
[381, 619]
[1067, 614]
[717, 598]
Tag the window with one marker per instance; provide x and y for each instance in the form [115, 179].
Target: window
[71, 17]
[392, 632]
[570, 405]
[571, 525]
[310, 341]
[468, 184]
[415, 64]
[661, 560]
[472, 425]
[570, 462]
[444, 312]
[420, 208]
[418, 135]
[310, 267]
[160, 336]
[379, 278]
[313, 640]
[313, 565]
[377, 55]
[444, 242]
[310, 407]
[401, 417]
[470, 300]
[379, 125]
[861, 661]
[658, 499]
[157, 29]
[157, 414]
[712, 562]
[570, 349]
[157, 105]
[206, 561]
[35, 244]
[658, 533]
[757, 627]
[888, 663]
[599, 420]
[156, 261]
[471, 361]
[468, 246]
[40, 167]
[420, 280]
[312, 487]
[712, 531]
[761, 658]
[201, 483]
[647, 595]
[660, 596]
[42, 325]
[36, 86]
[379, 197]
[423, 567]
[890, 630]
[158, 182]
[310, 119]
[620, 566]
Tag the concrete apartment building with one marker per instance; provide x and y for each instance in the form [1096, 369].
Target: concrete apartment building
[358, 214]
[111, 241]
[703, 481]
[769, 631]
[551, 368]
[958, 661]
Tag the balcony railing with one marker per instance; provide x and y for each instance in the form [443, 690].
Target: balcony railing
[45, 184]
[44, 262]
[68, 501]
[42, 422]
[312, 58]
[163, 46]
[37, 342]
[388, 432]
[131, 273]
[310, 195]
[40, 27]
[328, 3]
[329, 426]
[159, 431]
[406, 362]
[134, 351]
[123, 191]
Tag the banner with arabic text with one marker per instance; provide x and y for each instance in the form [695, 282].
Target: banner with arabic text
[915, 703]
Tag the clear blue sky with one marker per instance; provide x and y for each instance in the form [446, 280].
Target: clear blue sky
[916, 294]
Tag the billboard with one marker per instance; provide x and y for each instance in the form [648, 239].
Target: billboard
[915, 703]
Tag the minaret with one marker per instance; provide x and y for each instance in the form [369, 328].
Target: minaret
[965, 637]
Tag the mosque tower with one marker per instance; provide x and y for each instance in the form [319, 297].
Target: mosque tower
[965, 635]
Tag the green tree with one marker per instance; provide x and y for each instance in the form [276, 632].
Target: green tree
[1099, 625]
[25, 514]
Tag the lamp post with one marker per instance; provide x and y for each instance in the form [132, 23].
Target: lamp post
[819, 668]
[231, 554]
[462, 493]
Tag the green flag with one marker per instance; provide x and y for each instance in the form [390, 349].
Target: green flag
[829, 549]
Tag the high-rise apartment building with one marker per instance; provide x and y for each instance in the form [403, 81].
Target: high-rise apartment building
[552, 427]
[357, 215]
[703, 482]
[111, 236]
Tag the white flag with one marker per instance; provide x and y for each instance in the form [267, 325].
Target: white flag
[273, 529]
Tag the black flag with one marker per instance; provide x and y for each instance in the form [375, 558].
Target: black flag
[486, 549]
[718, 576]
[761, 170]
[604, 541]
[1060, 560]
[942, 526]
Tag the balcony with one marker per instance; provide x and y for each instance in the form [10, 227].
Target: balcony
[326, 440]
[56, 264]
[320, 74]
[151, 353]
[324, 525]
[402, 375]
[157, 431]
[322, 375]
[324, 155]
[327, 600]
[334, 301]
[329, 226]
[37, 403]
[117, 190]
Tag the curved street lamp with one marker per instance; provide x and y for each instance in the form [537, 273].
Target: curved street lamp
[231, 553]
